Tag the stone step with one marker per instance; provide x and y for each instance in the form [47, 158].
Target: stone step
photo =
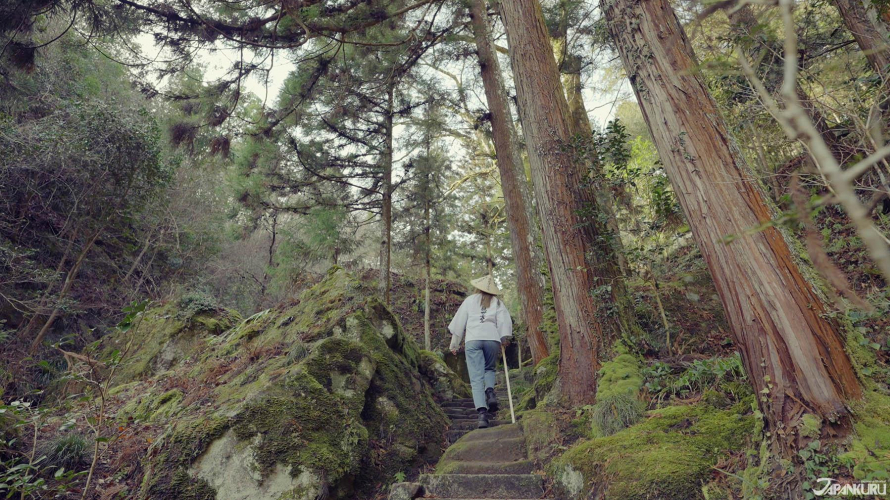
[493, 432]
[487, 486]
[475, 419]
[453, 435]
[471, 424]
[505, 431]
[470, 407]
[452, 404]
[502, 398]
[472, 467]
[461, 412]
[489, 451]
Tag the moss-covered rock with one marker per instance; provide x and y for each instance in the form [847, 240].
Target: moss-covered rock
[546, 375]
[621, 375]
[541, 432]
[669, 455]
[447, 384]
[325, 395]
[617, 396]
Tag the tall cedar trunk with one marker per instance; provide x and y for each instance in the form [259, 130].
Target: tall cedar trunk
[517, 199]
[870, 32]
[794, 356]
[744, 22]
[580, 274]
[572, 83]
[386, 209]
[569, 65]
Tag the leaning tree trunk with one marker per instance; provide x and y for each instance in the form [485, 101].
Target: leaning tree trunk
[517, 199]
[870, 32]
[386, 208]
[569, 65]
[581, 273]
[793, 354]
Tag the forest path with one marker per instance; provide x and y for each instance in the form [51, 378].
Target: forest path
[480, 464]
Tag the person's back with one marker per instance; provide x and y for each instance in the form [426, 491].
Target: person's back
[482, 318]
[485, 322]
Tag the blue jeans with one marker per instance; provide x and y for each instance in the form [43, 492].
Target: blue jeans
[482, 355]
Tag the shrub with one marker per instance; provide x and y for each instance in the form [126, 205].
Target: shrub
[616, 412]
[70, 451]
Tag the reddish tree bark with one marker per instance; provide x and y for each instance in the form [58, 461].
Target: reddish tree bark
[517, 199]
[582, 275]
[793, 354]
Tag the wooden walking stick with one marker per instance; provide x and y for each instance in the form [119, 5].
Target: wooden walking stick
[509, 393]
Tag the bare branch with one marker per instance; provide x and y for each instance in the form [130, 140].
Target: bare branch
[797, 125]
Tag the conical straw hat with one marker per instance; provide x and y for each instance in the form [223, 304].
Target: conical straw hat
[486, 284]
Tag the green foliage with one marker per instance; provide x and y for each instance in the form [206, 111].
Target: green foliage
[818, 461]
[82, 163]
[700, 375]
[70, 450]
[869, 451]
[23, 471]
[194, 303]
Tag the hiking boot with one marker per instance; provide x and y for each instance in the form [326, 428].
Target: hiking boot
[483, 420]
[491, 400]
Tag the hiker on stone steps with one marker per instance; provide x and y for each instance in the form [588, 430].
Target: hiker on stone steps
[487, 324]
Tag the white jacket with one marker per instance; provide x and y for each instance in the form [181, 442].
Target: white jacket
[492, 323]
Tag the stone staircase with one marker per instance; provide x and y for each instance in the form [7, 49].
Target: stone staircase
[464, 417]
[480, 464]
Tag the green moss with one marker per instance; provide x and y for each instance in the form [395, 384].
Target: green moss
[152, 407]
[302, 424]
[617, 395]
[670, 454]
[617, 411]
[541, 433]
[869, 452]
[621, 375]
[167, 476]
[546, 374]
[447, 384]
[397, 405]
[810, 426]
[343, 367]
[216, 324]
[329, 384]
[163, 337]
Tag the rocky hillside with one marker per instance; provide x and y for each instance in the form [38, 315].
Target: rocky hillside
[322, 397]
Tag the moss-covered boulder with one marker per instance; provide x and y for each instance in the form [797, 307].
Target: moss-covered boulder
[322, 397]
[447, 384]
[668, 455]
[617, 396]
